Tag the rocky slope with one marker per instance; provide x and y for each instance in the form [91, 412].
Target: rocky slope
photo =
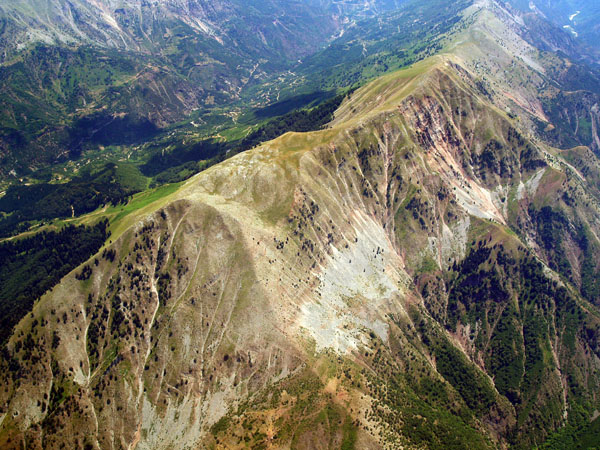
[143, 25]
[533, 71]
[578, 17]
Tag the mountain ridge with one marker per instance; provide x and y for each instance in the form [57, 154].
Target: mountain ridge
[297, 229]
[131, 24]
[159, 69]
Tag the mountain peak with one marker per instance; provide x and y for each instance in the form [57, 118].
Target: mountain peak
[307, 245]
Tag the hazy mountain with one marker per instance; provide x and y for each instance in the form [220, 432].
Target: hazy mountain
[264, 28]
[578, 17]
[421, 273]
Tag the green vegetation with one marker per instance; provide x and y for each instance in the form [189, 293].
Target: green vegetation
[424, 416]
[181, 162]
[585, 436]
[76, 87]
[349, 437]
[553, 229]
[463, 375]
[569, 112]
[552, 226]
[305, 416]
[500, 348]
[45, 89]
[180, 156]
[380, 45]
[114, 183]
[590, 281]
[506, 358]
[515, 313]
[31, 266]
[299, 121]
[118, 213]
[23, 205]
[471, 384]
[428, 265]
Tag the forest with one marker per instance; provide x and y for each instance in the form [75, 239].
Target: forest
[24, 205]
[184, 161]
[31, 266]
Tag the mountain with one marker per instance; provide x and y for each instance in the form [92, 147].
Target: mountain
[130, 68]
[421, 273]
[578, 17]
[266, 29]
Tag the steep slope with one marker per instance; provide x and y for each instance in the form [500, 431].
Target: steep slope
[379, 284]
[263, 28]
[578, 17]
[60, 102]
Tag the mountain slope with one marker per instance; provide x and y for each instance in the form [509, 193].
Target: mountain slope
[326, 287]
[420, 274]
[534, 72]
[264, 28]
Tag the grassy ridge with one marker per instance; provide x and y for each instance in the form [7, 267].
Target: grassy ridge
[23, 206]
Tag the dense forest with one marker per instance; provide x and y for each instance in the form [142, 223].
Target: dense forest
[31, 266]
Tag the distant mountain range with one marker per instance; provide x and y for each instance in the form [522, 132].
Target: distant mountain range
[272, 28]
[82, 74]
[578, 17]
